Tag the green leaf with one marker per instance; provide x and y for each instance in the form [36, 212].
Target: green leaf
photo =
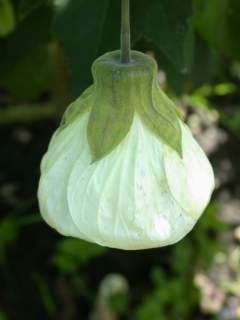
[110, 38]
[217, 22]
[168, 25]
[7, 18]
[31, 33]
[175, 78]
[26, 7]
[204, 66]
[80, 26]
[37, 70]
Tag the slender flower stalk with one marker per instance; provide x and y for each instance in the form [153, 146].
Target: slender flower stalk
[125, 33]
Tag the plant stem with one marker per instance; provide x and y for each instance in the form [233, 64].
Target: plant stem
[125, 33]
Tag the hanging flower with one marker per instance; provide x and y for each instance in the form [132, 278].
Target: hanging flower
[123, 170]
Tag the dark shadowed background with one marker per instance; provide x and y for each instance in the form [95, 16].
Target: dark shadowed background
[46, 51]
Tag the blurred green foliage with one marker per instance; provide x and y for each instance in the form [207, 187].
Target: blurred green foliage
[72, 254]
[176, 37]
[217, 21]
[3, 316]
[10, 228]
[30, 77]
[46, 51]
[173, 295]
[7, 19]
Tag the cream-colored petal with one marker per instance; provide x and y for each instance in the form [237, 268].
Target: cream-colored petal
[94, 197]
[123, 200]
[191, 178]
[64, 150]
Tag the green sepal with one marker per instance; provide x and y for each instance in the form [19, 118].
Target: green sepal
[7, 18]
[161, 116]
[113, 109]
[172, 133]
[121, 90]
[77, 108]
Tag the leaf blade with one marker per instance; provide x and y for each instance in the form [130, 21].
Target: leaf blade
[169, 29]
[81, 37]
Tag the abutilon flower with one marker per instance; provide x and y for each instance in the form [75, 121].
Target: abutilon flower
[123, 170]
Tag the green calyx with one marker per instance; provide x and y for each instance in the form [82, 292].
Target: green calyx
[77, 108]
[120, 90]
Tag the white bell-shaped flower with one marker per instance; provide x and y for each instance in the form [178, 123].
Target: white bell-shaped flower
[123, 170]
